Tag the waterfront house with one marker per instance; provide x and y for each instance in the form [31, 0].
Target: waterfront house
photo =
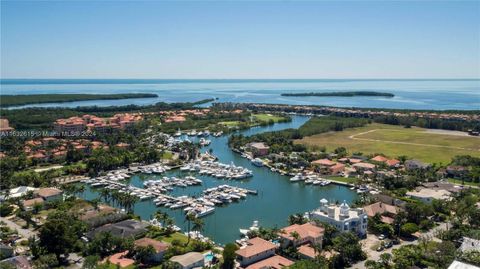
[257, 249]
[189, 260]
[159, 247]
[336, 169]
[274, 262]
[344, 218]
[307, 233]
[49, 194]
[386, 211]
[127, 228]
[258, 148]
[323, 165]
[362, 167]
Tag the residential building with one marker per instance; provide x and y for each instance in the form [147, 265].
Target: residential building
[344, 218]
[386, 211]
[30, 203]
[49, 194]
[307, 233]
[274, 262]
[362, 167]
[258, 148]
[257, 249]
[336, 169]
[160, 247]
[324, 166]
[20, 191]
[189, 260]
[427, 195]
[124, 229]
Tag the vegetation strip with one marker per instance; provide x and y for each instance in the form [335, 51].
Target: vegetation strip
[341, 94]
[27, 99]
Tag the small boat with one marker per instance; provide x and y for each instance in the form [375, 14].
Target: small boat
[254, 227]
[257, 162]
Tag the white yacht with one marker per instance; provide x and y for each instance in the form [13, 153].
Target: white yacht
[257, 162]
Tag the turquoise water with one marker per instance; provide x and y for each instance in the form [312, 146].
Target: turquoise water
[277, 198]
[410, 94]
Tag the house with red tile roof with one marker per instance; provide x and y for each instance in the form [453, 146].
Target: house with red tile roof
[257, 249]
[274, 262]
[120, 259]
[386, 211]
[379, 158]
[159, 247]
[299, 234]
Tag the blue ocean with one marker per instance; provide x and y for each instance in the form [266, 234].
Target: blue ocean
[409, 94]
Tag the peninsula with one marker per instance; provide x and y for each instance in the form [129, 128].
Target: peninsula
[341, 94]
[27, 99]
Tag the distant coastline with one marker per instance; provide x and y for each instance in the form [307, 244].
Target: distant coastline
[28, 99]
[341, 94]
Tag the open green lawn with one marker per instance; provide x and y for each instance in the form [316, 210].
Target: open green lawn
[267, 117]
[394, 141]
[175, 236]
[457, 181]
[349, 180]
[230, 123]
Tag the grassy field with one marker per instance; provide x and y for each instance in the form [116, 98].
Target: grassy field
[230, 123]
[267, 117]
[394, 141]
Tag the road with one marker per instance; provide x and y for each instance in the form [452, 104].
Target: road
[25, 233]
[375, 255]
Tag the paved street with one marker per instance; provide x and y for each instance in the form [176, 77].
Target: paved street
[22, 232]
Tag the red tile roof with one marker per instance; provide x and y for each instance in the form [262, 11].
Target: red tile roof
[255, 246]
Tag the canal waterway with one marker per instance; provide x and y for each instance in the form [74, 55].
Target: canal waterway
[277, 197]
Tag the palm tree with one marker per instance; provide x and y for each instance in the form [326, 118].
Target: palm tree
[189, 218]
[198, 225]
[160, 216]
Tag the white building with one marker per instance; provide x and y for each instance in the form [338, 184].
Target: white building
[344, 218]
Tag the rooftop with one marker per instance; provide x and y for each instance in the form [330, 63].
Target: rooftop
[187, 258]
[274, 262]
[159, 246]
[303, 230]
[255, 246]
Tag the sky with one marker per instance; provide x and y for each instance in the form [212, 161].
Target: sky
[240, 39]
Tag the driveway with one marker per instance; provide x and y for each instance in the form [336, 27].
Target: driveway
[25, 233]
[372, 240]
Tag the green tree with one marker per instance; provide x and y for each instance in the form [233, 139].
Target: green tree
[60, 233]
[409, 228]
[229, 256]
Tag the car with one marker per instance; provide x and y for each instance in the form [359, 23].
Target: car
[388, 244]
[380, 248]
[382, 237]
[396, 241]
